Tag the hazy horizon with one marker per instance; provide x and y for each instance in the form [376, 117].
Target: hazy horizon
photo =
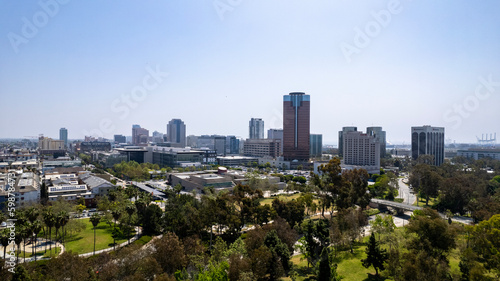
[96, 68]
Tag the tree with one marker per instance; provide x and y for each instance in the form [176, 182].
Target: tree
[280, 253]
[130, 209]
[456, 193]
[292, 211]
[375, 256]
[485, 241]
[49, 219]
[425, 180]
[325, 269]
[116, 213]
[4, 240]
[215, 272]
[152, 217]
[95, 219]
[383, 225]
[68, 266]
[36, 227]
[434, 235]
[20, 274]
[61, 219]
[169, 253]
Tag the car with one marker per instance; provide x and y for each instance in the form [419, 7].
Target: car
[4, 224]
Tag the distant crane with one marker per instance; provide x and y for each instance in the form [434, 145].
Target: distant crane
[487, 141]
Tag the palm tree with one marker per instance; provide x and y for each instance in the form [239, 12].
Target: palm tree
[18, 239]
[64, 221]
[116, 213]
[59, 220]
[3, 217]
[32, 214]
[36, 228]
[130, 209]
[25, 233]
[4, 240]
[49, 220]
[95, 219]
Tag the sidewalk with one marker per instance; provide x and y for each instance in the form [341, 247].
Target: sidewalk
[40, 246]
[136, 236]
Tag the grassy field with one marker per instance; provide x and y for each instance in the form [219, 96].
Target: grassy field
[83, 242]
[284, 197]
[42, 253]
[143, 240]
[421, 202]
[348, 266]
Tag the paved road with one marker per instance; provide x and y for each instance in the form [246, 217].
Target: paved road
[403, 206]
[405, 193]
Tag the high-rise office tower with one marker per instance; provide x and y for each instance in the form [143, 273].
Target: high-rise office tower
[316, 143]
[428, 140]
[63, 135]
[296, 121]
[256, 128]
[341, 138]
[380, 136]
[361, 150]
[176, 132]
[140, 136]
[232, 145]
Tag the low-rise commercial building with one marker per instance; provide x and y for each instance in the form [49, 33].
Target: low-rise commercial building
[262, 148]
[231, 161]
[479, 153]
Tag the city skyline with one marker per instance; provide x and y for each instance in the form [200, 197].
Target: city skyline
[394, 64]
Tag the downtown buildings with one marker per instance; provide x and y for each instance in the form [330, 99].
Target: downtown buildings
[63, 135]
[428, 140]
[361, 151]
[296, 126]
[256, 128]
[316, 143]
[140, 136]
[176, 133]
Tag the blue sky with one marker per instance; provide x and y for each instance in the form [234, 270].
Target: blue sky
[84, 65]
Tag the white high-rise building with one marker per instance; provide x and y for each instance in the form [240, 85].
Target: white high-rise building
[341, 138]
[361, 150]
[256, 128]
[381, 137]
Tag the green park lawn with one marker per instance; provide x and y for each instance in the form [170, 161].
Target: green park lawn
[348, 265]
[83, 242]
[42, 253]
[283, 197]
[421, 201]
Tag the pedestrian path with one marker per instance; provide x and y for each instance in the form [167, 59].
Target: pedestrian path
[136, 236]
[42, 244]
